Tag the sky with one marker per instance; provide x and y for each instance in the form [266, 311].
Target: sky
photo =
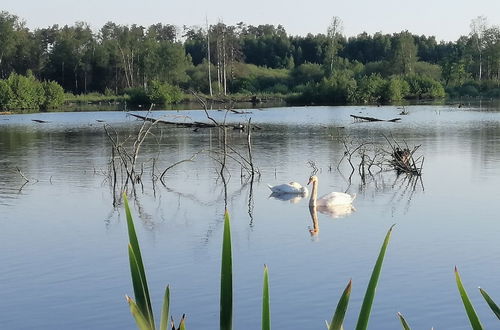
[445, 19]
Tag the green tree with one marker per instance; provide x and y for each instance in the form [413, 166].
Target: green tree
[370, 89]
[404, 54]
[163, 93]
[306, 73]
[6, 95]
[478, 27]
[27, 92]
[8, 26]
[395, 89]
[333, 34]
[53, 95]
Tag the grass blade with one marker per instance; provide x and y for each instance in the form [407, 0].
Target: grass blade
[405, 324]
[139, 281]
[338, 316]
[182, 325]
[364, 314]
[226, 286]
[165, 309]
[471, 313]
[140, 320]
[266, 311]
[491, 303]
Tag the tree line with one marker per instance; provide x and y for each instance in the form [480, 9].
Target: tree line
[158, 61]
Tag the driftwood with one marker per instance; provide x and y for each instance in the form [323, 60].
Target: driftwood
[402, 158]
[195, 124]
[374, 119]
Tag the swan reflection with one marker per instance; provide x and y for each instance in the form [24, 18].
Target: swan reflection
[337, 211]
[314, 216]
[292, 198]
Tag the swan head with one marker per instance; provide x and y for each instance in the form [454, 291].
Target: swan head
[313, 178]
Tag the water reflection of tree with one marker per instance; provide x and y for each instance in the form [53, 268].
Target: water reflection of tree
[401, 188]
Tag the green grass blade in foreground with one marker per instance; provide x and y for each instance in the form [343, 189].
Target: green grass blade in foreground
[471, 313]
[182, 325]
[165, 309]
[139, 281]
[491, 303]
[364, 314]
[405, 324]
[266, 311]
[140, 320]
[226, 285]
[338, 317]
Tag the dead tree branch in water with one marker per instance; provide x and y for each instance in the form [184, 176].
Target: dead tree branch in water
[402, 158]
[361, 118]
[22, 174]
[352, 148]
[226, 150]
[178, 163]
[370, 155]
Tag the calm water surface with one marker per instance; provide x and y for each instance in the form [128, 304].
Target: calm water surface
[64, 244]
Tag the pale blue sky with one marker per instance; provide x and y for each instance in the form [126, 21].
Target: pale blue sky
[446, 19]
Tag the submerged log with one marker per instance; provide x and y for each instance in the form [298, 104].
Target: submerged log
[374, 119]
[161, 121]
[195, 124]
[39, 121]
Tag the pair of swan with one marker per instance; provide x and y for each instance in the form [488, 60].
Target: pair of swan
[324, 203]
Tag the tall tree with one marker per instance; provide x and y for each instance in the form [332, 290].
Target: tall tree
[478, 28]
[9, 25]
[404, 53]
[334, 34]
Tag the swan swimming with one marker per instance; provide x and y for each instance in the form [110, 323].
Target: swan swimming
[289, 188]
[330, 200]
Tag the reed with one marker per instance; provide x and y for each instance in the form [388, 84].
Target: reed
[266, 303]
[469, 308]
[141, 308]
[226, 278]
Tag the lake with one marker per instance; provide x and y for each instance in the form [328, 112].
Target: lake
[64, 238]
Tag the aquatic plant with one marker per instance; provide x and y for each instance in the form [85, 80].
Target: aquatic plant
[141, 308]
[266, 309]
[226, 278]
[469, 308]
[364, 314]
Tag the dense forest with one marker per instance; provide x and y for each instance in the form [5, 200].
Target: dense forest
[162, 62]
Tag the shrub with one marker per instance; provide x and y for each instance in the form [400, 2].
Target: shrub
[163, 93]
[370, 88]
[28, 93]
[395, 89]
[137, 96]
[6, 95]
[54, 95]
[422, 86]
[307, 72]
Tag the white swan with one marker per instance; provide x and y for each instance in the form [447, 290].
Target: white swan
[330, 200]
[289, 188]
